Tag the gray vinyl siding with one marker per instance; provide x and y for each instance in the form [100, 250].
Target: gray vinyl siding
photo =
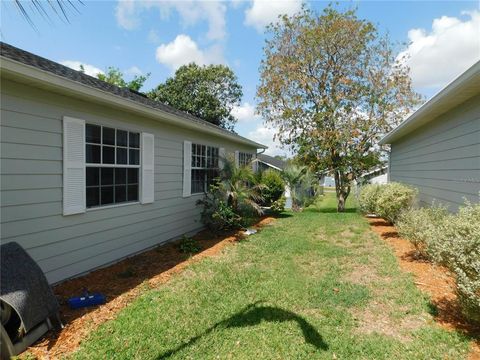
[31, 185]
[442, 158]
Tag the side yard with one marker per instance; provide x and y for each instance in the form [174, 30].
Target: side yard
[315, 284]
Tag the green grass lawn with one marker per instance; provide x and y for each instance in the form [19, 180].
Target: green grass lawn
[315, 284]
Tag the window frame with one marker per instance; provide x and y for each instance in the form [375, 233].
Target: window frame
[126, 166]
[206, 159]
[245, 155]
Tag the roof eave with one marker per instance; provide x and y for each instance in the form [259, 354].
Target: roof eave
[23, 71]
[464, 86]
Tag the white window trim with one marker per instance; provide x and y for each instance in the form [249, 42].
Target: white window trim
[101, 165]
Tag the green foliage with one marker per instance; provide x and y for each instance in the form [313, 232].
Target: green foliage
[293, 175]
[278, 206]
[419, 226]
[368, 197]
[208, 92]
[332, 86]
[274, 186]
[234, 200]
[452, 240]
[217, 215]
[115, 77]
[189, 245]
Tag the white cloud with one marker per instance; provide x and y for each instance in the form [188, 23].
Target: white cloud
[264, 135]
[245, 113]
[89, 69]
[191, 12]
[133, 71]
[263, 12]
[184, 50]
[439, 55]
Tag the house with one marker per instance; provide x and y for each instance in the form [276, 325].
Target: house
[375, 176]
[264, 162]
[437, 148]
[92, 173]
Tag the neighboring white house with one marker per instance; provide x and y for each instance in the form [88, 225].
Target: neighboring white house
[437, 148]
[92, 173]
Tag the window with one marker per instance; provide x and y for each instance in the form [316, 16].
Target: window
[204, 167]
[112, 165]
[244, 159]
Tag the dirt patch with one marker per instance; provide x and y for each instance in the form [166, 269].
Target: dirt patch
[363, 275]
[121, 283]
[435, 280]
[376, 319]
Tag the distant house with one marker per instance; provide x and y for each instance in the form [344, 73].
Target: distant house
[92, 173]
[437, 148]
[264, 162]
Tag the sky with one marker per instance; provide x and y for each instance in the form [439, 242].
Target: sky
[442, 39]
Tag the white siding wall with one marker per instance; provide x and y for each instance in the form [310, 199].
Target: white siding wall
[31, 186]
[442, 158]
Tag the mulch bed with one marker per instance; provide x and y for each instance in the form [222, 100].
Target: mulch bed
[121, 283]
[434, 280]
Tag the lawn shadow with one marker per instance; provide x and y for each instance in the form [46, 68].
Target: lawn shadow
[252, 315]
[448, 311]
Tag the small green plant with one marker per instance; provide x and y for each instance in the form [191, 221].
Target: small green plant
[279, 205]
[189, 245]
[393, 199]
[274, 186]
[216, 214]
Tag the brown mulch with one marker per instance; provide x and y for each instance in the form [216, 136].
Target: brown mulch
[121, 283]
[435, 280]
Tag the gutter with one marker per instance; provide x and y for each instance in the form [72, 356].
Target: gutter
[20, 70]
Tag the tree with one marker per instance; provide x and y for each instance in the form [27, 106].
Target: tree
[208, 92]
[44, 8]
[115, 76]
[293, 176]
[332, 87]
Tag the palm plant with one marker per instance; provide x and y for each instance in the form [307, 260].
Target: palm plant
[239, 187]
[44, 8]
[293, 176]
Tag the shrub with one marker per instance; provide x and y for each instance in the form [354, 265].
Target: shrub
[367, 199]
[274, 187]
[456, 245]
[419, 226]
[393, 199]
[189, 245]
[278, 206]
[217, 215]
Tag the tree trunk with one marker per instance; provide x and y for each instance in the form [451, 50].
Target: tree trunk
[342, 189]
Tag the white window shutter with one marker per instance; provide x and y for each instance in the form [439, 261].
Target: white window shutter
[221, 158]
[148, 163]
[237, 158]
[187, 168]
[74, 198]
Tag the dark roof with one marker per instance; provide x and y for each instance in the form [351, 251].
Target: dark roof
[27, 58]
[272, 161]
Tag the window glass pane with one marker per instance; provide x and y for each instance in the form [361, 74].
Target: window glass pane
[93, 196]
[133, 176]
[108, 155]
[120, 176]
[134, 140]
[108, 136]
[106, 195]
[107, 176]
[92, 133]
[198, 181]
[93, 177]
[132, 192]
[120, 194]
[121, 156]
[134, 157]
[92, 153]
[122, 138]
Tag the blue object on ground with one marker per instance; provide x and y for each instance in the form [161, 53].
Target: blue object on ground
[86, 300]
